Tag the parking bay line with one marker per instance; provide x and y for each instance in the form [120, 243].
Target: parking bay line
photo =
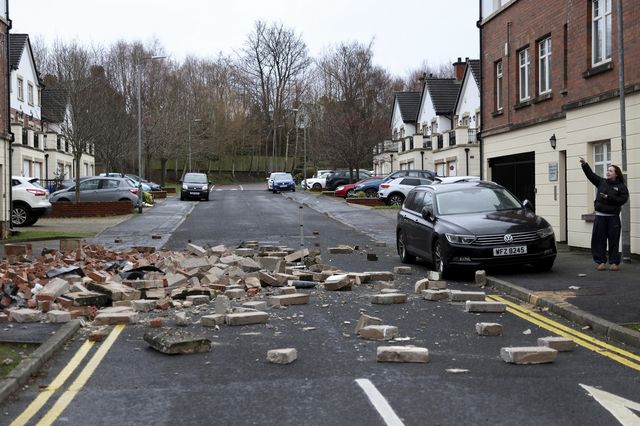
[56, 384]
[579, 338]
[75, 387]
[380, 403]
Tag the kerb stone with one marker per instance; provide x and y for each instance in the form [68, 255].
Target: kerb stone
[143, 305]
[560, 344]
[489, 329]
[487, 307]
[24, 315]
[435, 295]
[388, 299]
[58, 317]
[247, 318]
[289, 299]
[212, 320]
[402, 270]
[463, 296]
[366, 320]
[379, 332]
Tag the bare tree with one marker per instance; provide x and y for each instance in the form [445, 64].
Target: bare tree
[355, 104]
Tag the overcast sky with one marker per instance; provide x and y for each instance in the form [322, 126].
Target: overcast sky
[404, 32]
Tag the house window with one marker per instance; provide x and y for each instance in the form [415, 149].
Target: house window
[30, 93]
[37, 169]
[601, 158]
[26, 168]
[524, 67]
[20, 89]
[498, 86]
[544, 65]
[601, 31]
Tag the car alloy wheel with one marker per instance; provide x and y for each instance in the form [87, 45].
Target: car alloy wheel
[20, 216]
[438, 263]
[371, 193]
[395, 199]
[401, 244]
[317, 186]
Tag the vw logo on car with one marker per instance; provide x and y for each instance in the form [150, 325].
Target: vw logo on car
[508, 238]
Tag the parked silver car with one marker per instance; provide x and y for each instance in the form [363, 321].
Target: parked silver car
[99, 189]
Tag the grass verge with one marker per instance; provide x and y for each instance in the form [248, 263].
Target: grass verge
[633, 326]
[11, 354]
[47, 235]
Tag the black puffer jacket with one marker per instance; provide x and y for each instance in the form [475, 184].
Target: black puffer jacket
[616, 192]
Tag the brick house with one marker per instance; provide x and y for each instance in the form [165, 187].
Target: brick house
[550, 95]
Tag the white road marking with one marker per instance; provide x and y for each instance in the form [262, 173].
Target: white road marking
[379, 403]
[619, 407]
[241, 188]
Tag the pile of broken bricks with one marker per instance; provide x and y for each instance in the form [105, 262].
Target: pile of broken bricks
[223, 286]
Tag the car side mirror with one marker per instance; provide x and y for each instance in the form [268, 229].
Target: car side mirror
[427, 214]
[527, 205]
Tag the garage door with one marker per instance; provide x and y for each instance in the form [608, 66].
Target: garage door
[517, 174]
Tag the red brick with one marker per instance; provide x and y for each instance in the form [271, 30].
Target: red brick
[156, 322]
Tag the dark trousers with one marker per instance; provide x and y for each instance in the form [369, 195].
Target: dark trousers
[606, 229]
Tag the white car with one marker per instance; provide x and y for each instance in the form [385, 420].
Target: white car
[270, 179]
[395, 191]
[455, 179]
[30, 201]
[318, 181]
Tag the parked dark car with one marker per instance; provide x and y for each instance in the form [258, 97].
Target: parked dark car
[348, 190]
[342, 177]
[370, 188]
[195, 185]
[99, 188]
[283, 182]
[472, 224]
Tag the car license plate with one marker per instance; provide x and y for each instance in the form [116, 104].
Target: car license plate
[506, 251]
[194, 193]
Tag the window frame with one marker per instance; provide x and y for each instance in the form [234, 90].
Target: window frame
[600, 167]
[524, 82]
[20, 84]
[545, 50]
[30, 93]
[601, 32]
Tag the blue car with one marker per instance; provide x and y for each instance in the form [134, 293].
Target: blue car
[370, 188]
[283, 182]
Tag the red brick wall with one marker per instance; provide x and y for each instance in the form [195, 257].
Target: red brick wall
[526, 22]
[112, 208]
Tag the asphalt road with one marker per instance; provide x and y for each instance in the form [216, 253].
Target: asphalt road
[235, 385]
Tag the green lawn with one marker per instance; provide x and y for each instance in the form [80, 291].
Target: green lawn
[43, 235]
[11, 354]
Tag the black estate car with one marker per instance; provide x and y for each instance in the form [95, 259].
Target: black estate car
[472, 224]
[343, 177]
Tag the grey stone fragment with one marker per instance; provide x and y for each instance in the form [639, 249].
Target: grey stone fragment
[247, 318]
[421, 285]
[402, 270]
[143, 305]
[269, 279]
[222, 305]
[235, 293]
[269, 262]
[173, 342]
[380, 275]
[402, 354]
[489, 329]
[58, 317]
[388, 299]
[249, 265]
[55, 287]
[198, 299]
[282, 356]
[528, 355]
[486, 307]
[212, 320]
[560, 344]
[436, 285]
[295, 256]
[337, 282]
[182, 319]
[245, 251]
[463, 296]
[481, 277]
[341, 249]
[259, 305]
[435, 295]
[366, 320]
[289, 299]
[24, 315]
[196, 249]
[378, 332]
[434, 276]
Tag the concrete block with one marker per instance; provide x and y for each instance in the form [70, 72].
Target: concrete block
[341, 249]
[437, 285]
[198, 299]
[378, 332]
[106, 318]
[252, 282]
[488, 329]
[58, 317]
[463, 296]
[402, 354]
[247, 318]
[144, 284]
[337, 282]
[282, 356]
[249, 265]
[259, 305]
[289, 289]
[212, 320]
[389, 290]
[235, 293]
[143, 305]
[297, 255]
[269, 279]
[196, 249]
[269, 262]
[24, 315]
[366, 320]
[289, 299]
[481, 277]
[380, 275]
[222, 305]
[560, 344]
[421, 285]
[388, 299]
[528, 355]
[245, 252]
[487, 307]
[434, 276]
[381, 285]
[402, 270]
[54, 288]
[173, 342]
[435, 295]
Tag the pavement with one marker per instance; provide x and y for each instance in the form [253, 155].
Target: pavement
[601, 301]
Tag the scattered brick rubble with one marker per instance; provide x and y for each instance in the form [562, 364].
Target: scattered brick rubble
[220, 286]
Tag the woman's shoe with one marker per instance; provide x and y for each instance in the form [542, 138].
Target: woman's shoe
[614, 267]
[601, 267]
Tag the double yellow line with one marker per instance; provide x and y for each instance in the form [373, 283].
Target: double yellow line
[68, 395]
[620, 355]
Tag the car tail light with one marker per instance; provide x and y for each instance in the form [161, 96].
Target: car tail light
[133, 191]
[37, 192]
[384, 185]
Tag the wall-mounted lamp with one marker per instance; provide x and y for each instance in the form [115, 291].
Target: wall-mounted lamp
[552, 141]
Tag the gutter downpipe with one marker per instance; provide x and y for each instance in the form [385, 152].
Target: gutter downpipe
[9, 151]
[479, 133]
[626, 208]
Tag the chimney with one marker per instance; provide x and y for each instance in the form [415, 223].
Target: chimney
[458, 69]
